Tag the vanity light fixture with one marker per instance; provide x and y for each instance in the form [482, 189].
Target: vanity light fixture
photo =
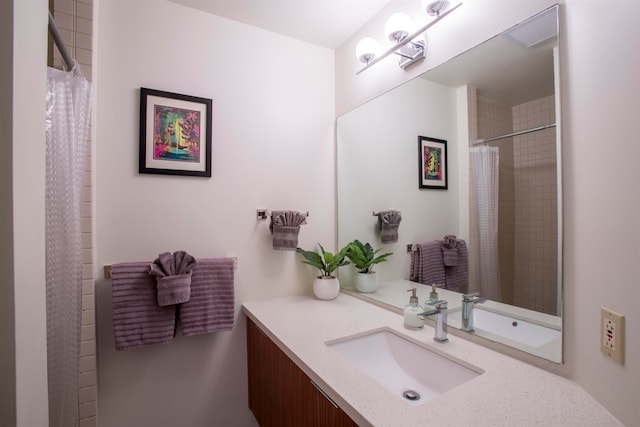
[398, 29]
[433, 8]
[367, 49]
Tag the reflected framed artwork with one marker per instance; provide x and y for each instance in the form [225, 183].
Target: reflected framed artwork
[175, 134]
[432, 153]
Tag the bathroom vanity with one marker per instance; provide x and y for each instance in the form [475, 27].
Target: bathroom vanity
[280, 393]
[292, 367]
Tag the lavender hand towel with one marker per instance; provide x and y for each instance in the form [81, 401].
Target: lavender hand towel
[457, 277]
[138, 321]
[449, 247]
[426, 264]
[285, 227]
[173, 276]
[212, 304]
[389, 221]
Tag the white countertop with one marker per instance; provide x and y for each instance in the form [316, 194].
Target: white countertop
[508, 393]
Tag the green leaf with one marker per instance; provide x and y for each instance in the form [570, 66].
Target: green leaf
[327, 262]
[363, 256]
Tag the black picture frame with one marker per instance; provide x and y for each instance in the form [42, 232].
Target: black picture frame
[432, 163]
[175, 134]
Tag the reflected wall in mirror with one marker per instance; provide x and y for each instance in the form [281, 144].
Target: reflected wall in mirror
[495, 105]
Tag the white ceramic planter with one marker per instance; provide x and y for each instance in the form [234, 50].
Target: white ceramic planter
[326, 288]
[366, 282]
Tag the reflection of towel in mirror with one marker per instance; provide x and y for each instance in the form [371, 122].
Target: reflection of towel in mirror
[449, 250]
[285, 226]
[138, 321]
[212, 304]
[426, 264]
[457, 276]
[173, 276]
[389, 221]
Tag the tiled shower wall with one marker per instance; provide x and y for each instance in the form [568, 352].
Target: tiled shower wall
[536, 207]
[496, 118]
[527, 235]
[74, 20]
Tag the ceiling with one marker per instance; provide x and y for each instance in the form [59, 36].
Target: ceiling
[501, 70]
[326, 23]
[513, 68]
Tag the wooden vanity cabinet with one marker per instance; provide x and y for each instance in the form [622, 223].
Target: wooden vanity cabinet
[280, 393]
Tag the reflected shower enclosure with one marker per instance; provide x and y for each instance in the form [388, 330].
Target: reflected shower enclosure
[527, 208]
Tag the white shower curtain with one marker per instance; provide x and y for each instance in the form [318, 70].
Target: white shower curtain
[484, 164]
[67, 122]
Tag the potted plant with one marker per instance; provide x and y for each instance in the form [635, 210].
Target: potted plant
[364, 257]
[326, 286]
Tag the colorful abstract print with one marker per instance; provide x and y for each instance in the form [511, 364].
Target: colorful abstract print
[176, 134]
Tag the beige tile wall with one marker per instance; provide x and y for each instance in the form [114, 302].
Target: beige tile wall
[474, 265]
[527, 235]
[536, 207]
[494, 119]
[74, 20]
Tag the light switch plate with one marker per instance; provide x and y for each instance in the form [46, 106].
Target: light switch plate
[612, 334]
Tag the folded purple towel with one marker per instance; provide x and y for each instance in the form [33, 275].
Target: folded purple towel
[138, 321]
[173, 275]
[449, 250]
[285, 227]
[389, 221]
[212, 304]
[426, 264]
[457, 276]
[172, 290]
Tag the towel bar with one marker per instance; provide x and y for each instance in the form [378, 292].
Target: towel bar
[264, 214]
[107, 268]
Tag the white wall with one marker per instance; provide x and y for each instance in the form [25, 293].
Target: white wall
[600, 105]
[381, 136]
[600, 102]
[273, 114]
[23, 208]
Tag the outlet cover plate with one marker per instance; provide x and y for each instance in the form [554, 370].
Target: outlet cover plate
[612, 334]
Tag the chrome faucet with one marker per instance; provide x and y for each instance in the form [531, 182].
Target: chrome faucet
[440, 312]
[468, 302]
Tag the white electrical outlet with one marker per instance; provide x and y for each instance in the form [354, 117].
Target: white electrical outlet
[612, 334]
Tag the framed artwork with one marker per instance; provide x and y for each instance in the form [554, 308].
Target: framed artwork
[175, 134]
[432, 158]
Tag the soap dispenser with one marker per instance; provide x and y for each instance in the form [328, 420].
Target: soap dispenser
[433, 296]
[411, 311]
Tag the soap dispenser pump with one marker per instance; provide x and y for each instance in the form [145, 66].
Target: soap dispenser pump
[433, 296]
[411, 311]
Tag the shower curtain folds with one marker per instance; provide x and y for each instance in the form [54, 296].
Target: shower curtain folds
[67, 123]
[484, 165]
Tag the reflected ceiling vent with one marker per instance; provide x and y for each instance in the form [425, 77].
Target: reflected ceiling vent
[534, 31]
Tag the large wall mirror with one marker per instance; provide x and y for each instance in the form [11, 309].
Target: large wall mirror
[495, 106]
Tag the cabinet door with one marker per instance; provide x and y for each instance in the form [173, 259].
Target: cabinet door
[327, 413]
[280, 393]
[276, 388]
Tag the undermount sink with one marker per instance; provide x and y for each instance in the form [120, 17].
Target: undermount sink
[405, 368]
[518, 330]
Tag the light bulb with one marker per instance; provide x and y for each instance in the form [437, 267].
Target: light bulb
[397, 27]
[367, 49]
[434, 7]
